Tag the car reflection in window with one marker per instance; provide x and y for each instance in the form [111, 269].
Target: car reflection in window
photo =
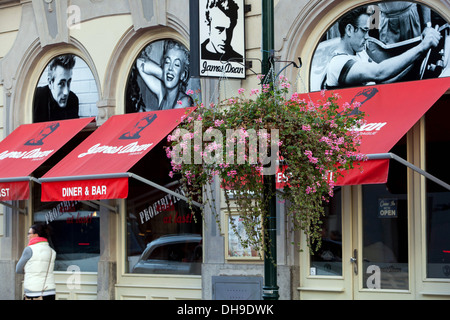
[172, 254]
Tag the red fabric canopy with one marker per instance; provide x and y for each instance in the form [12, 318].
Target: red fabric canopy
[391, 110]
[29, 146]
[97, 168]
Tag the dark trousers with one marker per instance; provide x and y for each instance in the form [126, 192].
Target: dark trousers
[50, 298]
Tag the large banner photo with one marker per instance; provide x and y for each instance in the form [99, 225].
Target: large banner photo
[222, 38]
[160, 78]
[384, 42]
[66, 90]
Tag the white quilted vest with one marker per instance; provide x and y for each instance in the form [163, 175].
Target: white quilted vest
[36, 269]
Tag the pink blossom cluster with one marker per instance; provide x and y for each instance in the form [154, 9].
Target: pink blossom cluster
[310, 157]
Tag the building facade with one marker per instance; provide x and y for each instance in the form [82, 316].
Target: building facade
[384, 240]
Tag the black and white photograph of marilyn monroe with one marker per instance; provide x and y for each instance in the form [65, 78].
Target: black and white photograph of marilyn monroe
[159, 78]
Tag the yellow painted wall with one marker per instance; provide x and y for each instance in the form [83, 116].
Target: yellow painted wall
[9, 26]
[100, 37]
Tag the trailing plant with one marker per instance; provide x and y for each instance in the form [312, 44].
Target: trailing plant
[238, 140]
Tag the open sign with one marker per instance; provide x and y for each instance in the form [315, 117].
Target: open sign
[387, 208]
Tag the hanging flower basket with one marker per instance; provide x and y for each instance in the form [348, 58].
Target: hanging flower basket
[308, 143]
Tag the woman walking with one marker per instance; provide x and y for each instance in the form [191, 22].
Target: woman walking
[37, 262]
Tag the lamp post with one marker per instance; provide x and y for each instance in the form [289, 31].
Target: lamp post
[270, 287]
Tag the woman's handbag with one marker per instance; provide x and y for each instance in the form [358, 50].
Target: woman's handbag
[41, 297]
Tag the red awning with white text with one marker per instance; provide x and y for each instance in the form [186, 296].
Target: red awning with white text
[98, 168]
[28, 147]
[391, 110]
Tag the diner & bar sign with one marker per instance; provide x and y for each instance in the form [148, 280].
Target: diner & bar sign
[99, 189]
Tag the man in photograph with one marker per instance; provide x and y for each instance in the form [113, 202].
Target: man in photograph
[221, 19]
[350, 67]
[55, 101]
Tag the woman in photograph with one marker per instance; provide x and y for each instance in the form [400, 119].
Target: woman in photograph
[167, 80]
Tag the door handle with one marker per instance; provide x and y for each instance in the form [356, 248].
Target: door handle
[354, 261]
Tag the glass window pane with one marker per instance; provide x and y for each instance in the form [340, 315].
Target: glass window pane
[75, 234]
[327, 261]
[437, 197]
[163, 236]
[385, 231]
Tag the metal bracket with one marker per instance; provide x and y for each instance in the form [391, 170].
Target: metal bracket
[164, 189]
[387, 156]
[24, 211]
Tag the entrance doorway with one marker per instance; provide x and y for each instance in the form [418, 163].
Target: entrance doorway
[365, 252]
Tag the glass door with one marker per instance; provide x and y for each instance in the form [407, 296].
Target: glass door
[325, 273]
[384, 245]
[381, 252]
[365, 252]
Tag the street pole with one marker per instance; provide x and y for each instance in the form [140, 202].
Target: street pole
[270, 288]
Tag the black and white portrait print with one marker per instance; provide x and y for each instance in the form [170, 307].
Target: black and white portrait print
[66, 90]
[160, 78]
[222, 38]
[384, 42]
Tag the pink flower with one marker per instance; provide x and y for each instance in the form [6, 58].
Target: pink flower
[306, 127]
[254, 91]
[310, 190]
[218, 123]
[241, 90]
[310, 157]
[232, 173]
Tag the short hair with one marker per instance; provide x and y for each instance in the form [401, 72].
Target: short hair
[352, 18]
[66, 61]
[229, 7]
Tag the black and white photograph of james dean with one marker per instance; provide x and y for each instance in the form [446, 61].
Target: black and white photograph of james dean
[220, 20]
[384, 42]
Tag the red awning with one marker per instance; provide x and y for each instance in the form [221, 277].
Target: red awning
[391, 110]
[98, 168]
[29, 146]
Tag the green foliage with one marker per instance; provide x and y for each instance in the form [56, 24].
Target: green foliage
[315, 142]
